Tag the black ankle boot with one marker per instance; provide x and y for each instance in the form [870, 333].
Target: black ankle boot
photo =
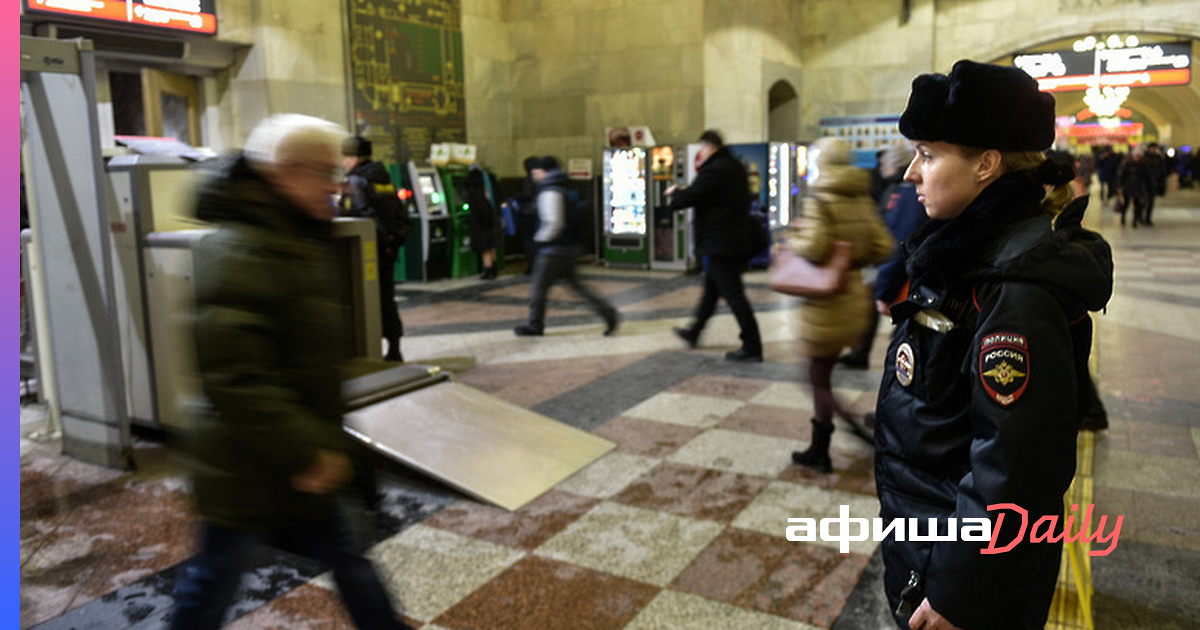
[817, 455]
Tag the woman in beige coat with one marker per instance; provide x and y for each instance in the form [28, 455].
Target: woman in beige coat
[838, 207]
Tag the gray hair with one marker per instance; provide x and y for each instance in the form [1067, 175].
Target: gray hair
[285, 137]
[895, 159]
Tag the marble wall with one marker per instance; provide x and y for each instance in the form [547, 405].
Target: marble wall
[548, 76]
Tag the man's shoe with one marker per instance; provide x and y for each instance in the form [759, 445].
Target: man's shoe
[611, 322]
[690, 337]
[743, 355]
[526, 330]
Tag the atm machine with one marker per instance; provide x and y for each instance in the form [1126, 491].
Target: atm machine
[672, 245]
[427, 251]
[626, 238]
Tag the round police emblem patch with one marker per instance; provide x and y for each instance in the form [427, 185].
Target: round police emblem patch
[905, 366]
[1004, 366]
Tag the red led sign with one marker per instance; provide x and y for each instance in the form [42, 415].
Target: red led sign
[192, 16]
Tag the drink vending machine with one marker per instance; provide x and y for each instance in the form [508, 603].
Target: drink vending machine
[672, 247]
[774, 186]
[626, 240]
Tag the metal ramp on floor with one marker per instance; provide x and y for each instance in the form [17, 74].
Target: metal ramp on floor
[483, 446]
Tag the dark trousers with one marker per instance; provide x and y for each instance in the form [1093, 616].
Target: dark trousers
[549, 269]
[393, 328]
[723, 280]
[1142, 204]
[207, 585]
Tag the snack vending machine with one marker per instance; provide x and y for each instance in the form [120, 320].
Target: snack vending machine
[626, 236]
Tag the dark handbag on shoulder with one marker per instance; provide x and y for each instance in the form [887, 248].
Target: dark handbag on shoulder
[793, 274]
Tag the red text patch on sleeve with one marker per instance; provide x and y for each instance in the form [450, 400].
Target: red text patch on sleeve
[1004, 366]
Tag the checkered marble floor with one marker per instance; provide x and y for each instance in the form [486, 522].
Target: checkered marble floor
[681, 526]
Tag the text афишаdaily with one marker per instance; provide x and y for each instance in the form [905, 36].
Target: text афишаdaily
[1044, 530]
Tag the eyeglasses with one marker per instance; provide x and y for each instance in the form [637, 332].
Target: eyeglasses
[333, 173]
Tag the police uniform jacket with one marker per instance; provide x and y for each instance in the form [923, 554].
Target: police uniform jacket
[720, 196]
[266, 353]
[983, 388]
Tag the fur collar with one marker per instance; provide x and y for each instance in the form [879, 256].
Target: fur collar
[943, 252]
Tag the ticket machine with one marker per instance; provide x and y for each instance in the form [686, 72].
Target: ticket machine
[427, 252]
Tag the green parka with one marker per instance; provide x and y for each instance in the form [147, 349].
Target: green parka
[838, 208]
[267, 347]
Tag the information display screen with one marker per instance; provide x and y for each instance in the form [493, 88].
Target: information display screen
[1167, 63]
[627, 192]
[193, 16]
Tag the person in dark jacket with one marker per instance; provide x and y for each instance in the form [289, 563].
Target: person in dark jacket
[720, 196]
[903, 214]
[370, 192]
[527, 213]
[559, 245]
[1133, 182]
[484, 222]
[268, 457]
[985, 381]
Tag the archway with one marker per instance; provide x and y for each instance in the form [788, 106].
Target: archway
[783, 113]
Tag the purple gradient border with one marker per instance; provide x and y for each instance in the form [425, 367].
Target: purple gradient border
[10, 487]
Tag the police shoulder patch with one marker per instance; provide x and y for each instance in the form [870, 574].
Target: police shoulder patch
[1004, 366]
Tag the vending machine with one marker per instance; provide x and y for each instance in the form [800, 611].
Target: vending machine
[671, 230]
[427, 252]
[626, 229]
[771, 170]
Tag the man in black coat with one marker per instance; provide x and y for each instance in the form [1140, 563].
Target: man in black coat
[720, 196]
[369, 192]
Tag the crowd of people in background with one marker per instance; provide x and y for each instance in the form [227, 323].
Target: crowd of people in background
[1132, 177]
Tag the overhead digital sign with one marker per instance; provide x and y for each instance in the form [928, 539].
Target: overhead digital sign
[1133, 66]
[192, 16]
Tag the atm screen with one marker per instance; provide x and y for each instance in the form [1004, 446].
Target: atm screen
[429, 190]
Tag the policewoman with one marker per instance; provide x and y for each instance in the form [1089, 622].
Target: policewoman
[985, 378]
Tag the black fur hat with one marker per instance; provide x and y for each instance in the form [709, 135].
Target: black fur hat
[980, 105]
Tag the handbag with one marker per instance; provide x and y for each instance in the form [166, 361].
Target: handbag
[795, 275]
